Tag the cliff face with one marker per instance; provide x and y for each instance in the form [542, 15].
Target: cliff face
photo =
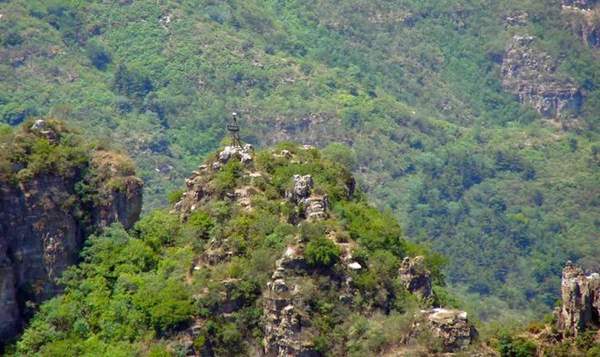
[531, 76]
[584, 18]
[43, 223]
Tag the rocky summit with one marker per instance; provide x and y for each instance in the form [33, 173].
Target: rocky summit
[271, 252]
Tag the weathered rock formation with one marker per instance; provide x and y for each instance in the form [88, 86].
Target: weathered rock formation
[287, 299]
[532, 76]
[580, 307]
[244, 154]
[450, 329]
[415, 277]
[584, 18]
[314, 207]
[199, 189]
[43, 224]
[581, 4]
[285, 320]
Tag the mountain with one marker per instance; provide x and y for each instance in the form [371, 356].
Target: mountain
[474, 123]
[273, 253]
[54, 191]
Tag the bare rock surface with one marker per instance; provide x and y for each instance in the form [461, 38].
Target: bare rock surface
[450, 328]
[532, 76]
[580, 309]
[314, 206]
[581, 4]
[42, 232]
[415, 277]
[584, 18]
[284, 321]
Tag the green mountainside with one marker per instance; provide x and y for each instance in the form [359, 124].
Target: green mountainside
[416, 89]
[246, 244]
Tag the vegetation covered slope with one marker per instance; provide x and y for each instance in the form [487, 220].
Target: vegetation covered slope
[414, 87]
[197, 279]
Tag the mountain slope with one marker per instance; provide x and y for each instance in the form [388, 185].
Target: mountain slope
[268, 253]
[419, 89]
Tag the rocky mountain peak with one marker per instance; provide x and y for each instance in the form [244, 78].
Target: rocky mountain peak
[319, 256]
[580, 309]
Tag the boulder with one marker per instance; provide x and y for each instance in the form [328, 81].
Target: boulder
[243, 153]
[302, 187]
[450, 328]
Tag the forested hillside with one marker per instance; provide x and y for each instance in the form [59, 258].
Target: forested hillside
[267, 253]
[474, 122]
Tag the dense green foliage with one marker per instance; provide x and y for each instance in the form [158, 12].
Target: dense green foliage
[142, 292]
[412, 86]
[26, 153]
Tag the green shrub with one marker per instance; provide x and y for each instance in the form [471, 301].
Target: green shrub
[321, 252]
[175, 196]
[158, 228]
[510, 346]
[200, 223]
[225, 180]
[98, 55]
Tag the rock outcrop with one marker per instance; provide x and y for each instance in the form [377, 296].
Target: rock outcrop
[581, 4]
[584, 19]
[314, 207]
[285, 320]
[415, 277]
[242, 153]
[199, 189]
[44, 221]
[450, 330]
[288, 298]
[532, 76]
[580, 309]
